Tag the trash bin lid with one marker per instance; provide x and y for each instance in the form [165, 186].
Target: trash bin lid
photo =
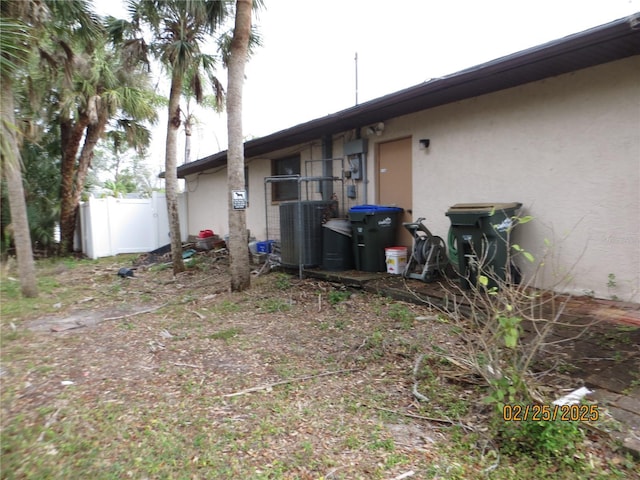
[482, 208]
[373, 209]
[340, 225]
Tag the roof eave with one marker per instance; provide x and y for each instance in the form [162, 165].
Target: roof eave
[613, 41]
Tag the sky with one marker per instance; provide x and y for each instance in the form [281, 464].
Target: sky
[306, 68]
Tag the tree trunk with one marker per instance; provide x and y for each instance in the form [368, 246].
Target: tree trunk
[71, 136]
[238, 241]
[94, 132]
[171, 171]
[11, 163]
[187, 140]
[75, 176]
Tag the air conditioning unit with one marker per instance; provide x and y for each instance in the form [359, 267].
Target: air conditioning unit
[301, 231]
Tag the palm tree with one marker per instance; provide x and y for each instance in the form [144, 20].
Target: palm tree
[59, 24]
[179, 28]
[77, 84]
[125, 135]
[238, 251]
[14, 52]
[189, 119]
[103, 84]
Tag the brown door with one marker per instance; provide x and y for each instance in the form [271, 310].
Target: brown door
[393, 181]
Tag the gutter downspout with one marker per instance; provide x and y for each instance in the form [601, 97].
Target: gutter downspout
[365, 179]
[327, 166]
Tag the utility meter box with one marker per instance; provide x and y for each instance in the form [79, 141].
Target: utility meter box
[355, 151]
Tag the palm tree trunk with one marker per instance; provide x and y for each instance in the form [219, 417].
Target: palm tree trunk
[17, 204]
[238, 248]
[94, 132]
[187, 139]
[71, 136]
[74, 176]
[171, 171]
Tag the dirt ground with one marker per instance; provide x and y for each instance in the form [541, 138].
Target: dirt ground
[162, 376]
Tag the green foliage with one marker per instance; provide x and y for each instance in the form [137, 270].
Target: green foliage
[542, 440]
[227, 306]
[386, 445]
[282, 281]
[499, 307]
[510, 329]
[159, 267]
[337, 296]
[120, 187]
[227, 334]
[13, 303]
[612, 283]
[524, 253]
[446, 399]
[400, 312]
[376, 339]
[511, 389]
[504, 361]
[41, 176]
[272, 305]
[117, 168]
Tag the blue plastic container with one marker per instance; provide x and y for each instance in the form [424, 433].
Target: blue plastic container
[373, 210]
[264, 247]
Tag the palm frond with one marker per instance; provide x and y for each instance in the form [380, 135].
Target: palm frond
[13, 46]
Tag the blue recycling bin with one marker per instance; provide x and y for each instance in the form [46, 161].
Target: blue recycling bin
[374, 228]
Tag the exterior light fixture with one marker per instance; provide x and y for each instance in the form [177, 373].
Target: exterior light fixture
[424, 143]
[376, 129]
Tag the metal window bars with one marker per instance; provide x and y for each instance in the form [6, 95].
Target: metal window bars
[295, 227]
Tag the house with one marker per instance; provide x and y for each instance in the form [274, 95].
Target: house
[555, 127]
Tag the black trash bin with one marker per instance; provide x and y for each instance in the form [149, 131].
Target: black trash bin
[478, 240]
[374, 229]
[337, 250]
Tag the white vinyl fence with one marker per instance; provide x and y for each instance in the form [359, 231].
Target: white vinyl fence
[110, 226]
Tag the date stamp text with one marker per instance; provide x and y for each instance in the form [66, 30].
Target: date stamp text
[546, 413]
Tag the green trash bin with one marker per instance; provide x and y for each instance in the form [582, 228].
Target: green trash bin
[374, 229]
[478, 240]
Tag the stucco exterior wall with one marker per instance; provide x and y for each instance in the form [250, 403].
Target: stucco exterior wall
[207, 202]
[207, 191]
[568, 148]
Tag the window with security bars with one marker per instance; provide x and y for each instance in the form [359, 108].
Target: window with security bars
[284, 191]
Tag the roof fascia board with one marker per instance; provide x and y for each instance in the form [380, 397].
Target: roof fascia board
[533, 64]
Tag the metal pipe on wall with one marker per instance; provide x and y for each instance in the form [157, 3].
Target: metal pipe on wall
[327, 166]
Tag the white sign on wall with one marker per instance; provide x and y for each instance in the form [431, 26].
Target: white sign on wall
[239, 199]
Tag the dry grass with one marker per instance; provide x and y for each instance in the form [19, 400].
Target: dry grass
[104, 377]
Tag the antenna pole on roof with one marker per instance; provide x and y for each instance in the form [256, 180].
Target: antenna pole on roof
[356, 60]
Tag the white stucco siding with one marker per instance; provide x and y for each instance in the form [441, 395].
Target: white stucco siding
[207, 192]
[207, 202]
[568, 148]
[258, 168]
